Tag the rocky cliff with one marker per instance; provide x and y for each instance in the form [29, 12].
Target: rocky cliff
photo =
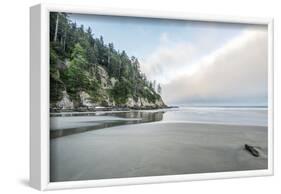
[84, 101]
[87, 73]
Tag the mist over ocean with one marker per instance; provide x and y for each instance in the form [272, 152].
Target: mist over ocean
[253, 116]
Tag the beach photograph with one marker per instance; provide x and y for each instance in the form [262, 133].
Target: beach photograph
[143, 97]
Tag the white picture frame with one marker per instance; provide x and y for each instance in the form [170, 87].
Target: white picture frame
[39, 102]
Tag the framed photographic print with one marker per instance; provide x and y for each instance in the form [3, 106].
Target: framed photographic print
[133, 97]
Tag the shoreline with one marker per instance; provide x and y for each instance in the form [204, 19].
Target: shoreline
[127, 109]
[74, 111]
[98, 109]
[68, 123]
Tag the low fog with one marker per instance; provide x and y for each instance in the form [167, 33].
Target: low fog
[233, 73]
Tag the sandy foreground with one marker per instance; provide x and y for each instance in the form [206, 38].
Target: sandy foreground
[154, 149]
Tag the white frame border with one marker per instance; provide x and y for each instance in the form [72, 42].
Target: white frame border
[39, 103]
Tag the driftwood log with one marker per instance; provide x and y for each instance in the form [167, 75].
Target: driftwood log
[252, 150]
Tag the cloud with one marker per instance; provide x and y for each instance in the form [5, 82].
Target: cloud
[167, 59]
[236, 71]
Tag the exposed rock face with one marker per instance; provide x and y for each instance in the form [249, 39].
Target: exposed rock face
[160, 103]
[85, 100]
[65, 103]
[143, 103]
[103, 76]
[131, 102]
[86, 103]
[113, 81]
[110, 102]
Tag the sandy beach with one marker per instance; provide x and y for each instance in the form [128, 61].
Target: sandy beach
[154, 149]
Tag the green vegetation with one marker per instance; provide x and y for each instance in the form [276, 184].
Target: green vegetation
[81, 62]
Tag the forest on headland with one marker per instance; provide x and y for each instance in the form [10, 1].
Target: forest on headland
[87, 74]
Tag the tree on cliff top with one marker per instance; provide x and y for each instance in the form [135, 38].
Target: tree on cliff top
[68, 42]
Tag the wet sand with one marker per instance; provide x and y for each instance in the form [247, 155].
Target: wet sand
[59, 123]
[154, 149]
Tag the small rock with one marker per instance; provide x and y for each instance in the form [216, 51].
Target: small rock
[252, 150]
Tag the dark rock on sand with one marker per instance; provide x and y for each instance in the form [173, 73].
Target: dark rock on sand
[252, 150]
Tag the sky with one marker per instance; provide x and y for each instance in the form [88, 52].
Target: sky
[196, 63]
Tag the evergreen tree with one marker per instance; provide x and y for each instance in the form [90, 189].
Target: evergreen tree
[76, 58]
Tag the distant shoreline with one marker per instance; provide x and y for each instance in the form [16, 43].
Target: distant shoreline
[214, 106]
[122, 109]
[109, 109]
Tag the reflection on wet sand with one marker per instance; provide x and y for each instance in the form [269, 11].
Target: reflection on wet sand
[120, 118]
